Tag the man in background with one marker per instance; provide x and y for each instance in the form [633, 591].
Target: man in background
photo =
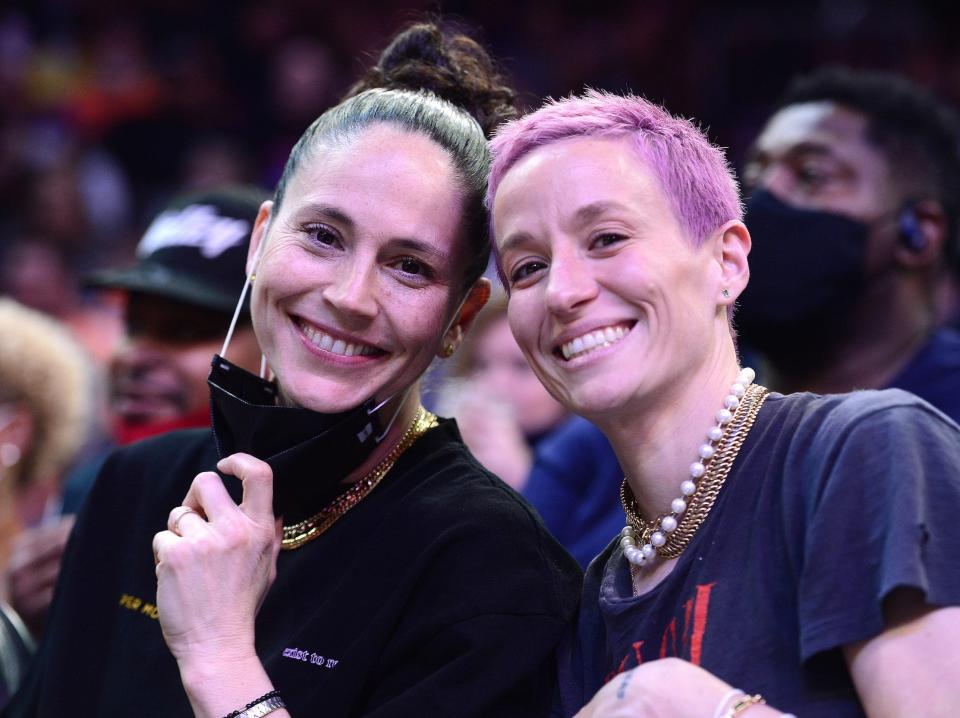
[862, 172]
[180, 297]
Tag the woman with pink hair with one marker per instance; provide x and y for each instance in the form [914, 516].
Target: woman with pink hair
[796, 550]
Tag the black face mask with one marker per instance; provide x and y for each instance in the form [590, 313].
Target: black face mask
[807, 269]
[310, 452]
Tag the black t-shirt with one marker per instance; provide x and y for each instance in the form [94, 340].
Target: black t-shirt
[440, 594]
[832, 503]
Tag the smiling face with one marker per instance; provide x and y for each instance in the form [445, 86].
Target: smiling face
[362, 269]
[609, 299]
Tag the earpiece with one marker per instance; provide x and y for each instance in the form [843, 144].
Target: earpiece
[911, 233]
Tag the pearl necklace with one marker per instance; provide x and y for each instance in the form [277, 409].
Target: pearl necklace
[641, 543]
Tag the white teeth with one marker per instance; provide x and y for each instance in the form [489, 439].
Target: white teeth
[593, 340]
[335, 346]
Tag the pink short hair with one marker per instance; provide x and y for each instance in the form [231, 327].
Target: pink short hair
[694, 173]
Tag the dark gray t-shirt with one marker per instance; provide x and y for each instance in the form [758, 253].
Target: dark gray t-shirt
[833, 502]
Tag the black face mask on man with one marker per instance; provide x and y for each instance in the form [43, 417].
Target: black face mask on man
[807, 268]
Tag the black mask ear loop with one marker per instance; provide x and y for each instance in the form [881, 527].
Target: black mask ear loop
[243, 296]
[393, 419]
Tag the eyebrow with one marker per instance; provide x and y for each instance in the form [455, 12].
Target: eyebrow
[757, 154]
[512, 242]
[407, 243]
[584, 215]
[327, 210]
[415, 245]
[591, 211]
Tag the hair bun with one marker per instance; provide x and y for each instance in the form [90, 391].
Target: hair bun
[451, 65]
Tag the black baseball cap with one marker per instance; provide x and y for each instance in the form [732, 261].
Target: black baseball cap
[194, 251]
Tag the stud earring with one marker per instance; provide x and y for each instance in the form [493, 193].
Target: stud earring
[725, 292]
[448, 349]
[253, 278]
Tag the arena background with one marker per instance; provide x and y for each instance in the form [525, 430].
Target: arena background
[107, 107]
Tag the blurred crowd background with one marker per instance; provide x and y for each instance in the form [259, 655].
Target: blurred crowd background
[107, 108]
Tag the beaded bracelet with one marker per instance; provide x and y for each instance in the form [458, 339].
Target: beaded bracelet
[267, 703]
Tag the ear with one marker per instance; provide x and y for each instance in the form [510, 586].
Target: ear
[476, 299]
[730, 249]
[931, 224]
[258, 235]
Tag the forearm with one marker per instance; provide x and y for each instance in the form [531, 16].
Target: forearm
[913, 666]
[218, 687]
[213, 547]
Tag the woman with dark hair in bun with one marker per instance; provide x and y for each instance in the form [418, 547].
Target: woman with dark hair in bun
[350, 558]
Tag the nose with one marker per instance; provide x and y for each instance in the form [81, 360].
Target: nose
[352, 292]
[570, 284]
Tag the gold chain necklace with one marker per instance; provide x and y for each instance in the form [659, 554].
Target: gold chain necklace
[668, 535]
[298, 534]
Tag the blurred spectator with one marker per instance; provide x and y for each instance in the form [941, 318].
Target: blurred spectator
[862, 171]
[45, 407]
[303, 82]
[55, 207]
[120, 83]
[38, 274]
[214, 162]
[501, 407]
[181, 294]
[563, 465]
[575, 485]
